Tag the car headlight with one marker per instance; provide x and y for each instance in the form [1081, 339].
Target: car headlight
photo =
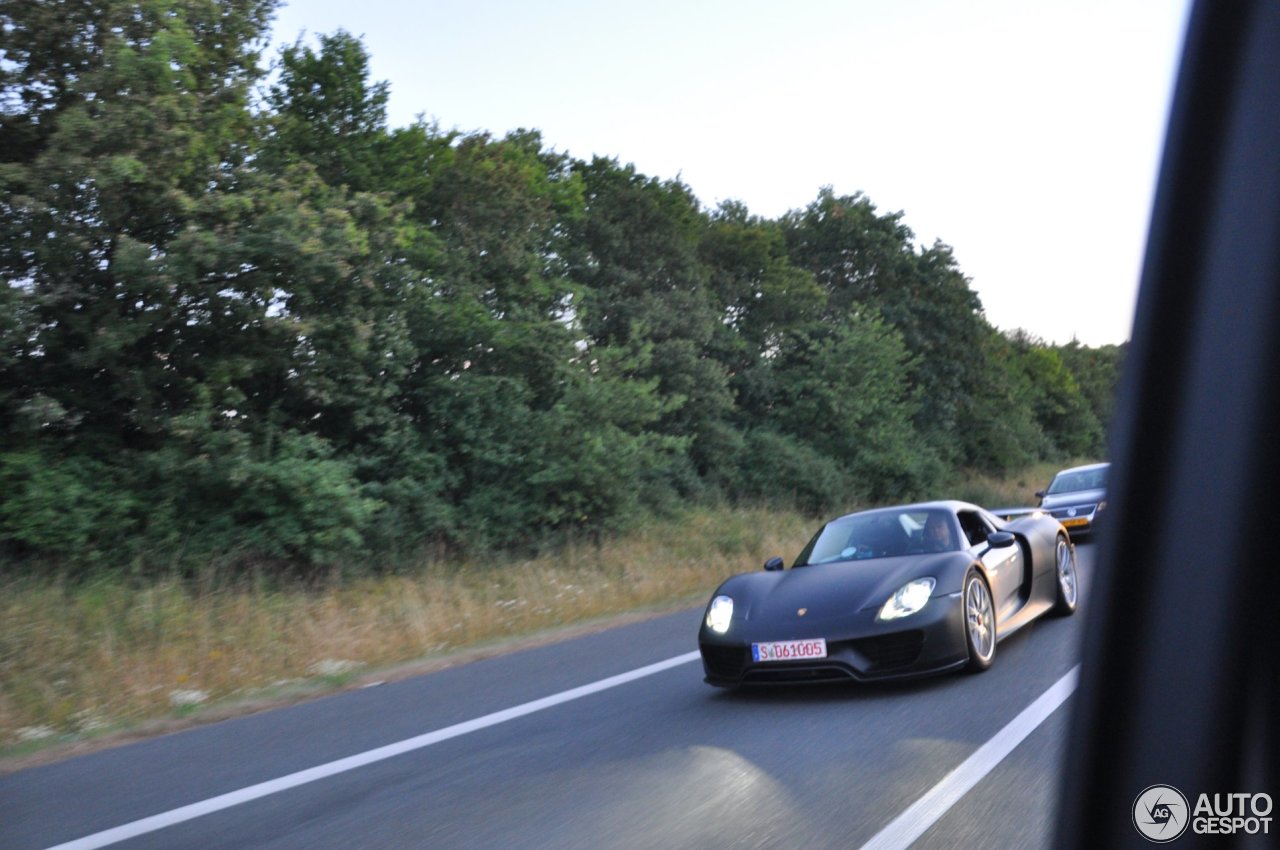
[719, 613]
[908, 599]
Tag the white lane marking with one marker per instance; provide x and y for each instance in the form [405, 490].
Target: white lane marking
[929, 809]
[302, 777]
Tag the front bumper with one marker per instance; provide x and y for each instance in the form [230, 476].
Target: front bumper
[861, 649]
[1078, 520]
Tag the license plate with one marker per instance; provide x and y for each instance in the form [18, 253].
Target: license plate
[789, 650]
[1072, 523]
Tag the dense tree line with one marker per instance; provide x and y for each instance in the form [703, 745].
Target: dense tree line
[243, 316]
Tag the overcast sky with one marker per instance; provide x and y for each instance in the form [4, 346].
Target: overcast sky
[1026, 135]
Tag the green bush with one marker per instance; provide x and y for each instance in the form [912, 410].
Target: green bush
[73, 509]
[779, 469]
[294, 502]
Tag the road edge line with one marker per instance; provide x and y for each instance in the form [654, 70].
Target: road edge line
[182, 814]
[917, 818]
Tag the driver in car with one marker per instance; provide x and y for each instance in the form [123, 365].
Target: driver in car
[938, 536]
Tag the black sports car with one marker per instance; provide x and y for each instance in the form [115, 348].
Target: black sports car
[889, 593]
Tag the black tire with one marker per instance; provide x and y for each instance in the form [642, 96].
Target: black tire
[979, 621]
[1066, 577]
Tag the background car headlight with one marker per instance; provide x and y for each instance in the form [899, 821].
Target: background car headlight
[719, 613]
[908, 599]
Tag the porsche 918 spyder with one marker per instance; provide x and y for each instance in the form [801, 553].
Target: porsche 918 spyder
[889, 593]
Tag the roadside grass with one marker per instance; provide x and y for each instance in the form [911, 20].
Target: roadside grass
[1010, 491]
[84, 657]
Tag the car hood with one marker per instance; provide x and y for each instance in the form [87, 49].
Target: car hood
[834, 591]
[1075, 497]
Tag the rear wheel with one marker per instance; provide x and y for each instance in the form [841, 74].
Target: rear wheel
[979, 622]
[1068, 579]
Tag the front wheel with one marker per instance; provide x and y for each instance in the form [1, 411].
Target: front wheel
[979, 622]
[1068, 580]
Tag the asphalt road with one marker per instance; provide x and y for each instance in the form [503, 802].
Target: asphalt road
[661, 761]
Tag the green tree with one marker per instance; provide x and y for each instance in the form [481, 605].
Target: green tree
[164, 285]
[635, 251]
[1097, 372]
[843, 389]
[1055, 399]
[999, 428]
[760, 294]
[359, 281]
[113, 139]
[868, 265]
[324, 110]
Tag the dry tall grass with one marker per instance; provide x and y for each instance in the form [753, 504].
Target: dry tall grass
[1009, 491]
[77, 658]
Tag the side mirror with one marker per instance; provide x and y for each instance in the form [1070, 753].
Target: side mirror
[773, 564]
[1040, 494]
[1000, 539]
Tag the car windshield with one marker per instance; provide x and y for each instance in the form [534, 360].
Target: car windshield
[882, 534]
[1078, 479]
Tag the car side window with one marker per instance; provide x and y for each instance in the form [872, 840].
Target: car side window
[975, 530]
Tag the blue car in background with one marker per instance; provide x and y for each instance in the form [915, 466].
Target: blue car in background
[1076, 497]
